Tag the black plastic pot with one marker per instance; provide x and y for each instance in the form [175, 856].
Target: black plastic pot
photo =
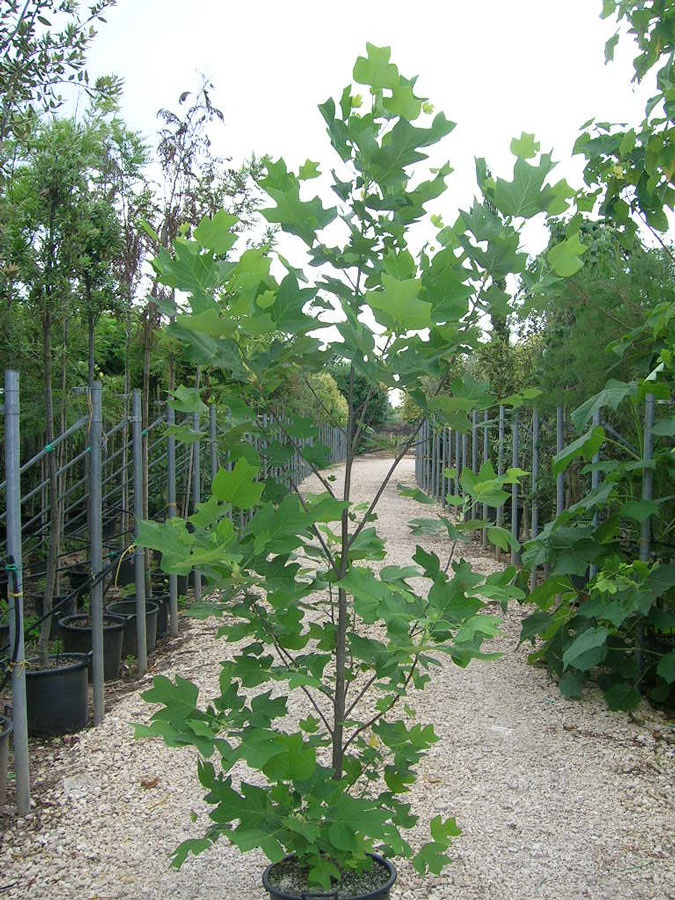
[56, 699]
[381, 893]
[69, 608]
[124, 572]
[79, 577]
[76, 635]
[4, 639]
[162, 600]
[6, 727]
[127, 609]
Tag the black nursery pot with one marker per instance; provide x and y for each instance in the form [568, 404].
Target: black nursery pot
[380, 893]
[127, 609]
[69, 608]
[56, 699]
[76, 635]
[4, 639]
[6, 727]
[79, 577]
[124, 572]
[162, 600]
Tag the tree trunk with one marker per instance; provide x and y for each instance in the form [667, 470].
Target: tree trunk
[343, 612]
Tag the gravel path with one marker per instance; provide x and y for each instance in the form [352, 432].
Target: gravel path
[557, 799]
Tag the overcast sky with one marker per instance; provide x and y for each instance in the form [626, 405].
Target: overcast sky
[496, 67]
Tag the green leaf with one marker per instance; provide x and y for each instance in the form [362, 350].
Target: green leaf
[403, 102]
[587, 446]
[397, 306]
[502, 538]
[414, 493]
[187, 400]
[525, 146]
[610, 46]
[376, 70]
[309, 170]
[666, 667]
[525, 196]
[443, 832]
[565, 257]
[432, 857]
[572, 684]
[622, 696]
[214, 232]
[639, 510]
[611, 395]
[587, 650]
[238, 486]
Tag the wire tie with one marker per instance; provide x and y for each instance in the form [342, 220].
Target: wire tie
[18, 594]
[49, 447]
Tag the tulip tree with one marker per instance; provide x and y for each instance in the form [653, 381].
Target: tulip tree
[293, 570]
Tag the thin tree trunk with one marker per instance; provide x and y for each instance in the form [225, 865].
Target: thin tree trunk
[343, 612]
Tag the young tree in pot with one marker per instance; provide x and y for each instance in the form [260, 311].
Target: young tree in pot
[330, 785]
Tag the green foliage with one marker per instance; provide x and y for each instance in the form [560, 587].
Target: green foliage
[610, 623]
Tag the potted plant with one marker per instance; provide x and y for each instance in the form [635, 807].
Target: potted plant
[304, 600]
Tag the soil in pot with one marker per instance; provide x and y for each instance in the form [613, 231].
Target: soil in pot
[69, 608]
[127, 609]
[57, 694]
[76, 636]
[287, 880]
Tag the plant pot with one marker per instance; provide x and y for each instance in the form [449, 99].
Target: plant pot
[79, 578]
[378, 893]
[69, 608]
[124, 572]
[127, 609]
[6, 727]
[76, 635]
[162, 600]
[4, 639]
[57, 699]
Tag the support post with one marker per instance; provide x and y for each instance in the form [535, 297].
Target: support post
[515, 432]
[646, 527]
[560, 478]
[486, 457]
[196, 495]
[500, 466]
[15, 591]
[172, 510]
[139, 555]
[96, 550]
[213, 440]
[535, 478]
[595, 483]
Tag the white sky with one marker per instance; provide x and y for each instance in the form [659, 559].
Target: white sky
[496, 67]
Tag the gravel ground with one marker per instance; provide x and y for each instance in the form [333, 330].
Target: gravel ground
[557, 799]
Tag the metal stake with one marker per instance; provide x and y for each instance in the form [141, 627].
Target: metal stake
[15, 596]
[139, 555]
[96, 551]
[172, 511]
